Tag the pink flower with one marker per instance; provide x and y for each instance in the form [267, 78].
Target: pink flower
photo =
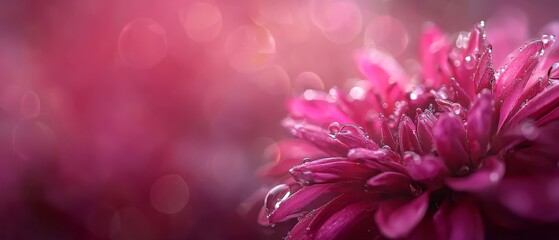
[466, 152]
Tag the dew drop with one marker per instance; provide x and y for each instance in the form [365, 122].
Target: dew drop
[553, 72]
[276, 196]
[334, 128]
[469, 62]
[547, 40]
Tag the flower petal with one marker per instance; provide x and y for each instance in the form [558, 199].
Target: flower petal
[514, 77]
[484, 75]
[381, 159]
[397, 218]
[330, 170]
[425, 168]
[317, 107]
[381, 69]
[347, 220]
[389, 183]
[434, 47]
[532, 197]
[407, 136]
[480, 125]
[425, 123]
[320, 137]
[450, 141]
[535, 109]
[488, 176]
[304, 200]
[459, 222]
[354, 137]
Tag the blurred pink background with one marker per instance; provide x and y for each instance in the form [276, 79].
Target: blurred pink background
[144, 119]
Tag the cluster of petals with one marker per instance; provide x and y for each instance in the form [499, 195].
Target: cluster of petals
[462, 150]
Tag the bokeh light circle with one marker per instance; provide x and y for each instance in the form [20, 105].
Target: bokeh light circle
[386, 33]
[307, 80]
[30, 105]
[202, 21]
[340, 21]
[142, 43]
[250, 48]
[169, 194]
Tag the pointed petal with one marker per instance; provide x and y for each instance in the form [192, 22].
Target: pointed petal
[317, 107]
[389, 183]
[434, 48]
[330, 170]
[407, 136]
[381, 159]
[536, 108]
[480, 125]
[354, 137]
[425, 124]
[484, 75]
[450, 141]
[345, 220]
[425, 168]
[381, 69]
[314, 134]
[308, 198]
[516, 74]
[397, 219]
[484, 179]
[465, 222]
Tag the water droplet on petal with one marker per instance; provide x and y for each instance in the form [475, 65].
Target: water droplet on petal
[276, 196]
[547, 40]
[30, 105]
[553, 72]
[202, 21]
[469, 62]
[334, 128]
[142, 43]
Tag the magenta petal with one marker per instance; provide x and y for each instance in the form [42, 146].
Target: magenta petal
[317, 107]
[380, 159]
[516, 74]
[484, 75]
[465, 222]
[425, 168]
[480, 124]
[450, 141]
[341, 223]
[536, 108]
[381, 69]
[306, 199]
[314, 134]
[485, 178]
[425, 124]
[389, 183]
[330, 170]
[354, 137]
[434, 48]
[532, 197]
[397, 219]
[407, 136]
